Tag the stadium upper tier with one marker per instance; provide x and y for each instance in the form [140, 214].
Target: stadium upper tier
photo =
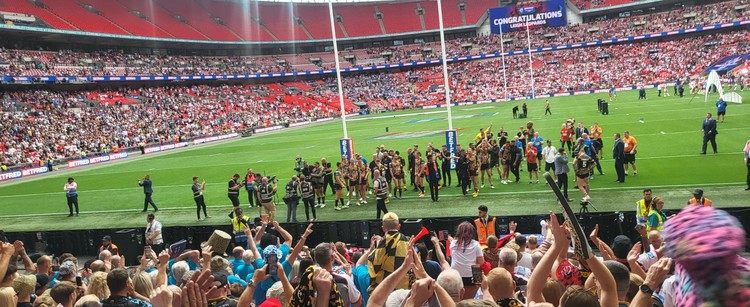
[63, 124]
[253, 21]
[246, 20]
[115, 63]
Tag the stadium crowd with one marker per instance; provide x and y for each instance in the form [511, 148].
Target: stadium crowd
[119, 63]
[56, 125]
[473, 265]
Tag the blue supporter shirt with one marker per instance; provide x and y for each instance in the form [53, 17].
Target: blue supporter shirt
[721, 106]
[362, 281]
[538, 143]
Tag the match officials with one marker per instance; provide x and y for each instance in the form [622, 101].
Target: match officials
[198, 197]
[147, 191]
[71, 193]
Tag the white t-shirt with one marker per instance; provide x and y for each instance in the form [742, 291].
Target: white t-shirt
[463, 258]
[154, 227]
[526, 261]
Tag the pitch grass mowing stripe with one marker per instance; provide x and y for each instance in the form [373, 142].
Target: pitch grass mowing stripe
[221, 184]
[407, 197]
[664, 159]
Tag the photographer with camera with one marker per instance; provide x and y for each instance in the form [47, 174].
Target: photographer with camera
[266, 192]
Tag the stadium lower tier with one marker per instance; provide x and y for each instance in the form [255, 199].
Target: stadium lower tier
[59, 124]
[353, 233]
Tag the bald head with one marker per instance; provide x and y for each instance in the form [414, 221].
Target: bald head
[117, 262]
[105, 255]
[451, 281]
[500, 283]
[98, 266]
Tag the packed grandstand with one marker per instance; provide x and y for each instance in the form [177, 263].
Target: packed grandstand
[40, 124]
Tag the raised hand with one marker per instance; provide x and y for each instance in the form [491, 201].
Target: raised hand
[634, 252]
[594, 236]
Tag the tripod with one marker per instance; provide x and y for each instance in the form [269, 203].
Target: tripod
[585, 207]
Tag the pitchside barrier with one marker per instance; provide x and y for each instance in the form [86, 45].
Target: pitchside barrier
[353, 233]
[99, 159]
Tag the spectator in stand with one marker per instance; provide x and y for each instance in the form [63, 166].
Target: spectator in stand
[465, 254]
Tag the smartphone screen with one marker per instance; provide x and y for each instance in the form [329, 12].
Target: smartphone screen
[441, 236]
[79, 282]
[264, 218]
[147, 252]
[271, 261]
[476, 274]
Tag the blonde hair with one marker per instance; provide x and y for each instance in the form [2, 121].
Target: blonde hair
[44, 301]
[6, 296]
[142, 284]
[88, 300]
[98, 285]
[635, 284]
[390, 221]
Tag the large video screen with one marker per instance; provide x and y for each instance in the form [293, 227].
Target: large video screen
[517, 17]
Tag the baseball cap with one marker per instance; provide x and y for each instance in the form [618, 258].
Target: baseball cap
[697, 192]
[67, 268]
[107, 238]
[41, 281]
[221, 278]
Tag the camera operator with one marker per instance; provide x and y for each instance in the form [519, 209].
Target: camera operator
[291, 199]
[266, 193]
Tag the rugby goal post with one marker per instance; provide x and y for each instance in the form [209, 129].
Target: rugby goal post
[713, 79]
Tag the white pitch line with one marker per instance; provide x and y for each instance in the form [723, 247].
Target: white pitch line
[135, 210]
[395, 116]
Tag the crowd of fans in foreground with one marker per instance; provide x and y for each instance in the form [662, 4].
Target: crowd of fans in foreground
[58, 125]
[118, 63]
[672, 267]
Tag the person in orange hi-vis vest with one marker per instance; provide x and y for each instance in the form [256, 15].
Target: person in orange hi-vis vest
[698, 199]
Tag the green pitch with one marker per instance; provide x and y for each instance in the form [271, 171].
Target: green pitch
[667, 130]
